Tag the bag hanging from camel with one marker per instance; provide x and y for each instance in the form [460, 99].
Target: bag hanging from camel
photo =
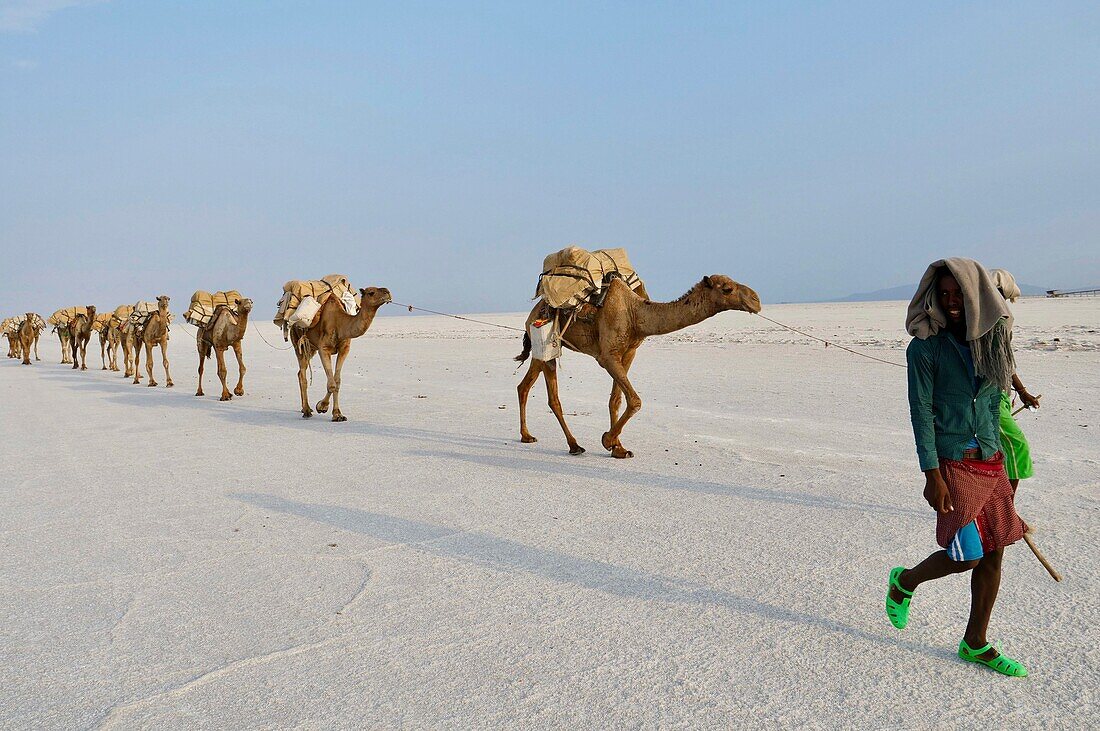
[545, 339]
[305, 312]
[203, 305]
[573, 275]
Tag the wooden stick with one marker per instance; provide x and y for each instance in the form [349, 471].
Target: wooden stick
[1024, 407]
[1042, 559]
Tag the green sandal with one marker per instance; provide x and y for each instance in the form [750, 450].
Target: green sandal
[898, 612]
[1000, 663]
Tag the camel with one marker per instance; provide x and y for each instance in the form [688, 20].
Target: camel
[39, 326]
[119, 333]
[153, 332]
[225, 330]
[12, 336]
[28, 334]
[80, 332]
[102, 327]
[613, 336]
[62, 330]
[331, 333]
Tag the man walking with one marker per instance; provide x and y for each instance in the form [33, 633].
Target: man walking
[960, 360]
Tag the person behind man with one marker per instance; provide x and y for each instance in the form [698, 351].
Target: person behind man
[1013, 443]
[960, 360]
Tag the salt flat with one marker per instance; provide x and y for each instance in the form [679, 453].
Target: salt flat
[168, 561]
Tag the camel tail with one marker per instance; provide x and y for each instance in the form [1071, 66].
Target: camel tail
[526, 348]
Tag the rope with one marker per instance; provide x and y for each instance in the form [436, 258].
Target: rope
[459, 317]
[257, 331]
[828, 343]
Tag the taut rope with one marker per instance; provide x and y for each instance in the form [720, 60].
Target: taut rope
[458, 317]
[829, 342]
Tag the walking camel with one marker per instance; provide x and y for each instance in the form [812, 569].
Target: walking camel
[330, 334]
[10, 331]
[60, 322]
[80, 331]
[102, 326]
[613, 336]
[28, 337]
[153, 332]
[225, 331]
[62, 330]
[120, 333]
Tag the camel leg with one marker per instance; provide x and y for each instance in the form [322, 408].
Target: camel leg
[84, 354]
[220, 353]
[164, 356]
[303, 363]
[149, 364]
[76, 352]
[617, 393]
[137, 362]
[550, 374]
[103, 354]
[36, 348]
[239, 390]
[610, 438]
[326, 363]
[524, 389]
[202, 367]
[341, 356]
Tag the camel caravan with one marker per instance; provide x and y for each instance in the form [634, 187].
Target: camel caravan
[590, 302]
[595, 303]
[323, 316]
[221, 320]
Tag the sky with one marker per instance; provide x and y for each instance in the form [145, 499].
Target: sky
[807, 149]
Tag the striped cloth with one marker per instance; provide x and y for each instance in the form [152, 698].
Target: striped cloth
[980, 492]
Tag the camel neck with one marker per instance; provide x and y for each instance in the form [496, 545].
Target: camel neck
[661, 318]
[361, 321]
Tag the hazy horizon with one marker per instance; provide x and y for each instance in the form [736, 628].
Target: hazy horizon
[440, 150]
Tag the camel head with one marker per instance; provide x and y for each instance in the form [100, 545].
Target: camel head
[374, 297]
[91, 312]
[162, 301]
[730, 295]
[243, 305]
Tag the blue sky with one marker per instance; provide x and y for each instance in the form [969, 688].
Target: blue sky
[809, 150]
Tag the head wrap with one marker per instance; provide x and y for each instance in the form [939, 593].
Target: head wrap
[988, 319]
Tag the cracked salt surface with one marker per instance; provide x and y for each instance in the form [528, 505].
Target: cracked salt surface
[167, 561]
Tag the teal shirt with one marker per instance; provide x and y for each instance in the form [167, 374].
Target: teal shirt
[948, 406]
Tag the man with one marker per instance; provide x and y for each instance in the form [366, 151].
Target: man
[959, 361]
[1014, 445]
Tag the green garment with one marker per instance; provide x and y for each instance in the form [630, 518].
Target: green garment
[947, 410]
[1013, 444]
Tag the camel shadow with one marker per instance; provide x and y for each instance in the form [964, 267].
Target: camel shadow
[572, 468]
[502, 554]
[122, 391]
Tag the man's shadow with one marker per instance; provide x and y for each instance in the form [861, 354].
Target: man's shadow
[503, 554]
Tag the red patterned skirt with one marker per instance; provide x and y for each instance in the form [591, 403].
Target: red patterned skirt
[980, 492]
